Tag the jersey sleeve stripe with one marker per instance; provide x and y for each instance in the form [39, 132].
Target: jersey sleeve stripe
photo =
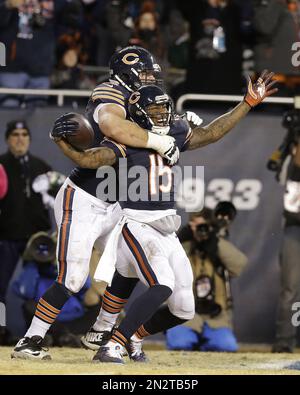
[189, 136]
[109, 90]
[109, 94]
[119, 101]
[120, 147]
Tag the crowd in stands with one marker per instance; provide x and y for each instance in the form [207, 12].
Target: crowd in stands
[54, 43]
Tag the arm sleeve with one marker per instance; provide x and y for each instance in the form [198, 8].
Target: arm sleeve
[3, 182]
[119, 149]
[189, 135]
[106, 93]
[232, 258]
[183, 134]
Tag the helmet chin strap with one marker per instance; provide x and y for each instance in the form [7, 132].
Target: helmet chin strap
[123, 83]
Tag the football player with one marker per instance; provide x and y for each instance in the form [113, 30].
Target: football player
[148, 248]
[81, 216]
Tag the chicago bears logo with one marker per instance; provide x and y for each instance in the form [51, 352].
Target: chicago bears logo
[134, 98]
[130, 58]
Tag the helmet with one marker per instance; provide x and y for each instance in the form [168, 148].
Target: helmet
[126, 65]
[139, 110]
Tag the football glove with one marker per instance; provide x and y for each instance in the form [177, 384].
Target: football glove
[193, 119]
[172, 155]
[259, 89]
[63, 127]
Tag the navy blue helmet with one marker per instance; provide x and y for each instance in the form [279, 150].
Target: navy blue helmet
[126, 65]
[150, 106]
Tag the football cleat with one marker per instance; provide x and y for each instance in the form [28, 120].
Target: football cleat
[94, 339]
[111, 352]
[135, 351]
[30, 348]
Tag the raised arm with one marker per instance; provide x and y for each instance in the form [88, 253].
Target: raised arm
[91, 158]
[214, 131]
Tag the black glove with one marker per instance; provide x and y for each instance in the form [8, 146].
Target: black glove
[64, 126]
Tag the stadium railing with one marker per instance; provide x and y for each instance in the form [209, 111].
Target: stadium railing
[62, 93]
[231, 98]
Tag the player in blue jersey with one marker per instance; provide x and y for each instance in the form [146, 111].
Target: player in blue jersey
[148, 248]
[83, 218]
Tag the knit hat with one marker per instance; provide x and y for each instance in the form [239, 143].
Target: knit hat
[16, 124]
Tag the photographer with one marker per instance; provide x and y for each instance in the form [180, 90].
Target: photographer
[214, 261]
[288, 171]
[38, 272]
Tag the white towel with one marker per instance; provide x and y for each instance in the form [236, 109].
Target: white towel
[107, 264]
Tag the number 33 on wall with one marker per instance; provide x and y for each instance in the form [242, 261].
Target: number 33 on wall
[244, 195]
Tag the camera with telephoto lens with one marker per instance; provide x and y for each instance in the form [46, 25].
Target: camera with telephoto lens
[291, 122]
[207, 244]
[223, 214]
[203, 231]
[40, 248]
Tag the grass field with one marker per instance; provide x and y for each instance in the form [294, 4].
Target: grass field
[78, 361]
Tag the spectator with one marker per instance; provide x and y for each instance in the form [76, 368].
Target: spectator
[216, 45]
[38, 273]
[178, 31]
[22, 211]
[27, 28]
[277, 26]
[290, 249]
[213, 261]
[119, 24]
[147, 33]
[3, 182]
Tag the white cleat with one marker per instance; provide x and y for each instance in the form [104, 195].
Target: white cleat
[31, 348]
[110, 352]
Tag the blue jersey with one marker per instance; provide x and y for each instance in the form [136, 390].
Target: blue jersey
[145, 181]
[108, 92]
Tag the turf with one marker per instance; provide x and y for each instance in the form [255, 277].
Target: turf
[78, 361]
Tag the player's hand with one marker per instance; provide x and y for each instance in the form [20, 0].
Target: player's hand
[193, 119]
[165, 146]
[160, 130]
[172, 155]
[63, 127]
[169, 150]
[259, 89]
